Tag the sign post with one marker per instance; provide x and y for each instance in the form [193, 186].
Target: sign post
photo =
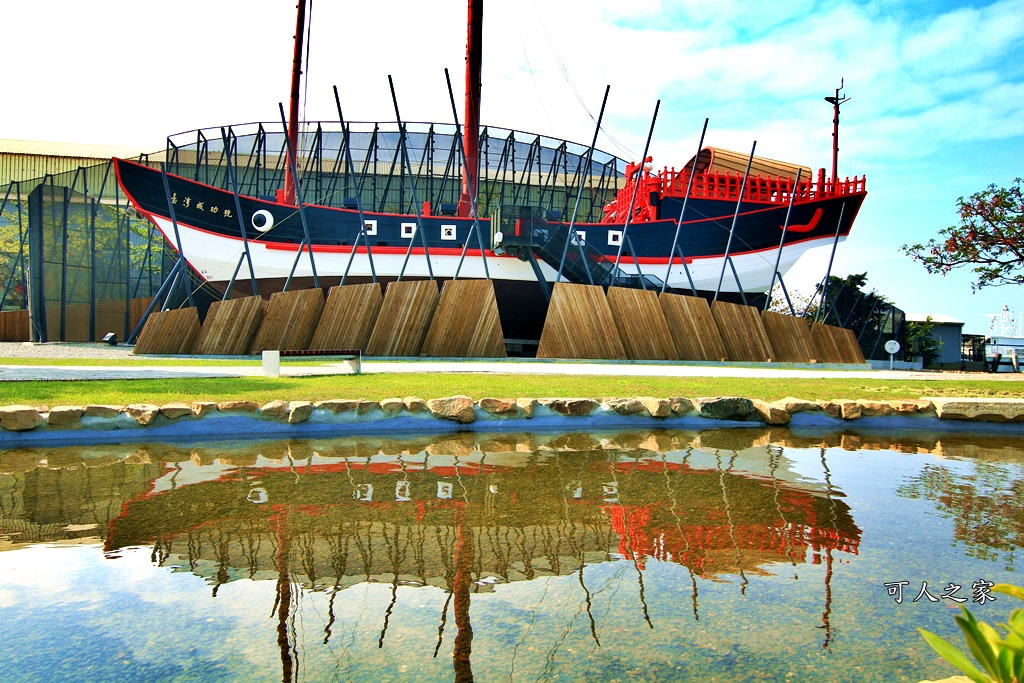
[892, 347]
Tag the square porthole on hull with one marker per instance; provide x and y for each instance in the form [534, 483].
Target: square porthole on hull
[371, 226]
[448, 233]
[614, 238]
[408, 230]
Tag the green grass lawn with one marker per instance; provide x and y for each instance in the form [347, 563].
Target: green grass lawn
[434, 385]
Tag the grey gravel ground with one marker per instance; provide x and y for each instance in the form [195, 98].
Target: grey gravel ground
[64, 350]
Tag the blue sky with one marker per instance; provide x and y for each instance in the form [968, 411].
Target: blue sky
[937, 88]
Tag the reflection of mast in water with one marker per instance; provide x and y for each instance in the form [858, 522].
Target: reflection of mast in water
[284, 595]
[728, 518]
[774, 455]
[339, 547]
[679, 525]
[578, 549]
[396, 554]
[628, 527]
[825, 624]
[464, 551]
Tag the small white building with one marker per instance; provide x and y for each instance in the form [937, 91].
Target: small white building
[948, 331]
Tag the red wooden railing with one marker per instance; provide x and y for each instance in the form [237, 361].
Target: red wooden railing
[769, 189]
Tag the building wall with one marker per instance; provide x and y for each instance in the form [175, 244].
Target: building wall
[948, 335]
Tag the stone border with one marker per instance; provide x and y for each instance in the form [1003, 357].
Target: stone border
[20, 424]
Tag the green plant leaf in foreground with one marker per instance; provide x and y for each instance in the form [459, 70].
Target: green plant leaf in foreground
[1002, 658]
[979, 640]
[954, 657]
[1009, 589]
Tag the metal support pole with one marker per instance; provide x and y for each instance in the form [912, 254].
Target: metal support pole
[583, 179]
[782, 241]
[735, 218]
[736, 276]
[241, 220]
[171, 275]
[350, 173]
[22, 234]
[636, 262]
[231, 282]
[636, 188]
[544, 286]
[785, 292]
[583, 259]
[174, 223]
[64, 263]
[412, 183]
[295, 265]
[474, 188]
[92, 269]
[682, 212]
[298, 198]
[831, 258]
[686, 269]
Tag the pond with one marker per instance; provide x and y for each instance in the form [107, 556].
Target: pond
[723, 555]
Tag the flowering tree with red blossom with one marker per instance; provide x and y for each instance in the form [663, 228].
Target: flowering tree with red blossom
[990, 238]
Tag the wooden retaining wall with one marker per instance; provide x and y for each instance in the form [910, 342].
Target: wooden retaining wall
[836, 345]
[404, 318]
[169, 332]
[136, 309]
[110, 317]
[641, 323]
[742, 332]
[692, 327]
[348, 317]
[579, 324]
[790, 338]
[230, 326]
[466, 323]
[14, 326]
[290, 321]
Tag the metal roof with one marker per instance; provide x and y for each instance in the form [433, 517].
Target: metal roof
[77, 150]
[936, 318]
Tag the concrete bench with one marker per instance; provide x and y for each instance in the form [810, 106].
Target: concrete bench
[353, 358]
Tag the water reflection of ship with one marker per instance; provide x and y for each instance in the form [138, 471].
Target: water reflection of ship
[466, 515]
[527, 511]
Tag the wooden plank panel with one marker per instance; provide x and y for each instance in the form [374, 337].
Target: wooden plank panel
[169, 332]
[790, 338]
[579, 324]
[290, 321]
[348, 317]
[693, 328]
[76, 323]
[230, 327]
[466, 323]
[14, 325]
[836, 345]
[742, 332]
[110, 318]
[136, 308]
[404, 318]
[641, 323]
[852, 353]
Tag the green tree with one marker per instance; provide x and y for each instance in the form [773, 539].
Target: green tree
[989, 237]
[921, 342]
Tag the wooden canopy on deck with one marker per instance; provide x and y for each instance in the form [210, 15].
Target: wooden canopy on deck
[712, 159]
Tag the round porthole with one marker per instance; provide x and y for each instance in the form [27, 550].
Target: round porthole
[263, 220]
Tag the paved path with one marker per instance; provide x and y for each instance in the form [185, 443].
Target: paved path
[117, 370]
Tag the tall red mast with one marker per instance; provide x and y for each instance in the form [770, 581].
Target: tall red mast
[293, 105]
[835, 102]
[474, 37]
